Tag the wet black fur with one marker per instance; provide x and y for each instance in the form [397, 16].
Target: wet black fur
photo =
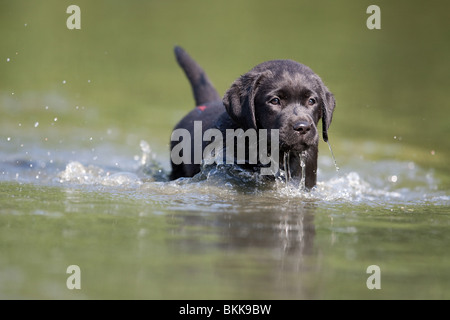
[249, 103]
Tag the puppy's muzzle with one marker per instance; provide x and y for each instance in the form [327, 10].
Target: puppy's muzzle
[300, 133]
[302, 127]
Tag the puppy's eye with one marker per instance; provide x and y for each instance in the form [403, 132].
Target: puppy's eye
[275, 101]
[311, 101]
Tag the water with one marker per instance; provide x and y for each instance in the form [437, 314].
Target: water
[287, 169]
[214, 234]
[332, 155]
[84, 164]
[303, 166]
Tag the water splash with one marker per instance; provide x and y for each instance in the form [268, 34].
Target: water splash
[287, 169]
[302, 156]
[380, 183]
[75, 172]
[332, 155]
[149, 167]
[146, 151]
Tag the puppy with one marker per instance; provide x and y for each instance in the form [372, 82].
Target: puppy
[281, 95]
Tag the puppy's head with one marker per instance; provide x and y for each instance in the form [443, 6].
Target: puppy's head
[284, 95]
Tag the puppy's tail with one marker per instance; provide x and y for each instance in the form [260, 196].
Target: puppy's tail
[202, 88]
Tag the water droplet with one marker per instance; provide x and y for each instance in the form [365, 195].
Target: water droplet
[36, 124]
[302, 157]
[145, 147]
[287, 169]
[332, 155]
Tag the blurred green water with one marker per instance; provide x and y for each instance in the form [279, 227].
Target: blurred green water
[115, 82]
[388, 83]
[131, 247]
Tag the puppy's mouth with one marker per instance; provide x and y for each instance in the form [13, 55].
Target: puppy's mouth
[297, 143]
[297, 147]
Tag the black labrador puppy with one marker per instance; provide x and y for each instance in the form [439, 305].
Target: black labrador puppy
[281, 96]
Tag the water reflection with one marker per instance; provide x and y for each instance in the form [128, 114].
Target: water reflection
[267, 247]
[283, 232]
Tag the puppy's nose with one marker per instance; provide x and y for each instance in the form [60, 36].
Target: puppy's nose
[302, 127]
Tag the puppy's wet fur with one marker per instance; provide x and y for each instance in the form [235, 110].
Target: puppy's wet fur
[277, 94]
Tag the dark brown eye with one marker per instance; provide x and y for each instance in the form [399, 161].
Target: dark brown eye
[311, 101]
[275, 101]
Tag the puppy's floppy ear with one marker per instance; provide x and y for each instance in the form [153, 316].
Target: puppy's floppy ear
[328, 105]
[239, 100]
